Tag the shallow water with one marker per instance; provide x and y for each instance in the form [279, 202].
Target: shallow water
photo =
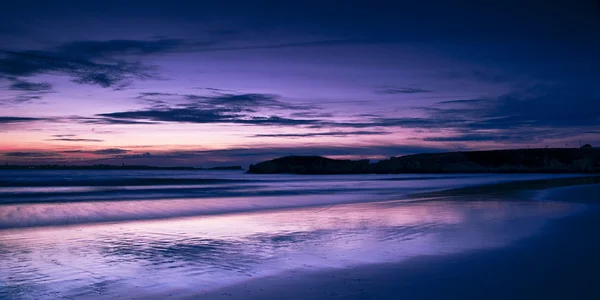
[41, 198]
[191, 252]
[204, 253]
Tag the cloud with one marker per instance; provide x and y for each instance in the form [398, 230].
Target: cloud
[383, 122]
[31, 63]
[134, 156]
[311, 114]
[204, 47]
[75, 140]
[6, 120]
[465, 101]
[197, 115]
[63, 135]
[30, 154]
[23, 98]
[544, 107]
[313, 134]
[247, 101]
[240, 102]
[510, 118]
[101, 63]
[108, 63]
[143, 95]
[491, 76]
[238, 114]
[112, 49]
[25, 91]
[247, 109]
[471, 138]
[184, 115]
[71, 138]
[216, 90]
[106, 121]
[401, 90]
[534, 114]
[109, 151]
[22, 85]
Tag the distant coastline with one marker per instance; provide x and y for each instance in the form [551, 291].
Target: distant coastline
[542, 160]
[114, 167]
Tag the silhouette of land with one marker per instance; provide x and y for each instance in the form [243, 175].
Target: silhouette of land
[545, 160]
[113, 167]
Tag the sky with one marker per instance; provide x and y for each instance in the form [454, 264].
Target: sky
[208, 83]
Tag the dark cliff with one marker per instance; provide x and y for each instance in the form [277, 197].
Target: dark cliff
[557, 160]
[310, 165]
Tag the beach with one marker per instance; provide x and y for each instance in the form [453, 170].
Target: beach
[301, 237]
[559, 262]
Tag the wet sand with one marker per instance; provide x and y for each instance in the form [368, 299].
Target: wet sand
[521, 189]
[516, 240]
[561, 261]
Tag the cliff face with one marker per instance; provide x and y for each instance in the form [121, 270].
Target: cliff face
[510, 161]
[310, 165]
[559, 160]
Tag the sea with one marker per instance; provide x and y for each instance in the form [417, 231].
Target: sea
[110, 234]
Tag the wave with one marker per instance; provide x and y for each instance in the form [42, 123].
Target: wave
[55, 214]
[49, 199]
[121, 194]
[119, 182]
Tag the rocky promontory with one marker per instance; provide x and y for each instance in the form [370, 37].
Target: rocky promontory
[311, 165]
[546, 160]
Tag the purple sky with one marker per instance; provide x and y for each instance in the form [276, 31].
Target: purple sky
[234, 82]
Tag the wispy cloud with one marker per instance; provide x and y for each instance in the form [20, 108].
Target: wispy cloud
[112, 63]
[63, 135]
[490, 76]
[246, 109]
[35, 154]
[400, 90]
[27, 86]
[6, 120]
[471, 138]
[315, 134]
[24, 91]
[195, 115]
[112, 50]
[75, 140]
[106, 121]
[71, 138]
[531, 115]
[230, 101]
[464, 101]
[109, 151]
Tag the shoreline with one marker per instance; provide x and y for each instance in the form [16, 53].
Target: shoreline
[558, 262]
[512, 188]
[364, 257]
[515, 272]
[111, 210]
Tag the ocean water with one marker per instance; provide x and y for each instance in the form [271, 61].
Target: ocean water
[133, 234]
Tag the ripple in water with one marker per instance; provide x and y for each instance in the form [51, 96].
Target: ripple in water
[194, 254]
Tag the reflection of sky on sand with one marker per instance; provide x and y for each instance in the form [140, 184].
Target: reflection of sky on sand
[203, 253]
[29, 206]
